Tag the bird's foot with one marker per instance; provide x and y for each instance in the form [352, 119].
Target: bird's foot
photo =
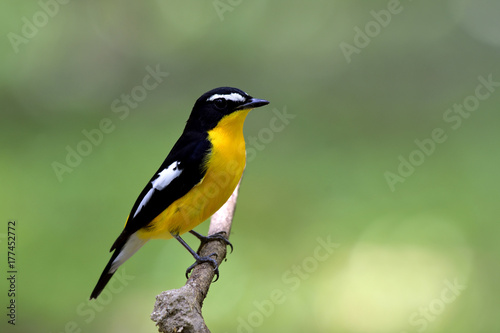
[201, 260]
[217, 236]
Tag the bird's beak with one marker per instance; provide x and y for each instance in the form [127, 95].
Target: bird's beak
[252, 103]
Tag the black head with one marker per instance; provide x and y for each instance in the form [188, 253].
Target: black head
[213, 105]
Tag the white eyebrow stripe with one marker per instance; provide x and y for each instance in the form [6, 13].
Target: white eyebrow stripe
[165, 177]
[235, 97]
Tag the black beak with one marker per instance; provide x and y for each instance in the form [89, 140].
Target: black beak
[252, 103]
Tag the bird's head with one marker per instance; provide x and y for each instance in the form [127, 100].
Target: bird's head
[218, 103]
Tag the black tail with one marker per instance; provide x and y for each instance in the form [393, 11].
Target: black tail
[105, 276]
[125, 246]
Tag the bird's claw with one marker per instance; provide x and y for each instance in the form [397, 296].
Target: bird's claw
[217, 236]
[201, 260]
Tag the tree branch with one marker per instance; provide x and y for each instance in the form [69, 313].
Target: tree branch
[179, 310]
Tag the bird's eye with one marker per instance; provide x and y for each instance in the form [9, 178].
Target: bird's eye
[220, 103]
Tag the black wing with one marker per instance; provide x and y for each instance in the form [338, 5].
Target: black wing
[188, 156]
[180, 172]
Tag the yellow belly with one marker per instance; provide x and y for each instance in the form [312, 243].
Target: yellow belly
[225, 168]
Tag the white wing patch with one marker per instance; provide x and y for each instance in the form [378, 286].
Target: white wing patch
[235, 97]
[165, 177]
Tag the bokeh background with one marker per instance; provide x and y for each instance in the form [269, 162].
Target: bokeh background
[418, 253]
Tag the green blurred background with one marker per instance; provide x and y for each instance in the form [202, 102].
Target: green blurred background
[420, 255]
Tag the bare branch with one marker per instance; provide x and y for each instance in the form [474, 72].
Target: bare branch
[179, 310]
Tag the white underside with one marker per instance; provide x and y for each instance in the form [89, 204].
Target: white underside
[133, 244]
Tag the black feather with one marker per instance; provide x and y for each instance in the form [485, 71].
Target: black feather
[106, 275]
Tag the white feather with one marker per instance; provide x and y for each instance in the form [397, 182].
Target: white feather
[133, 244]
[235, 97]
[165, 177]
[144, 201]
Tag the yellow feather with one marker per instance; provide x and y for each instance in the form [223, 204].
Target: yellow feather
[225, 165]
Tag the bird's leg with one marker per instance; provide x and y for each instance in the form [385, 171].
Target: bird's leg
[198, 259]
[216, 236]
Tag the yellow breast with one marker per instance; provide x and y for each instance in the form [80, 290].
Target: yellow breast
[225, 165]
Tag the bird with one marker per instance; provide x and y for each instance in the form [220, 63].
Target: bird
[196, 178]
